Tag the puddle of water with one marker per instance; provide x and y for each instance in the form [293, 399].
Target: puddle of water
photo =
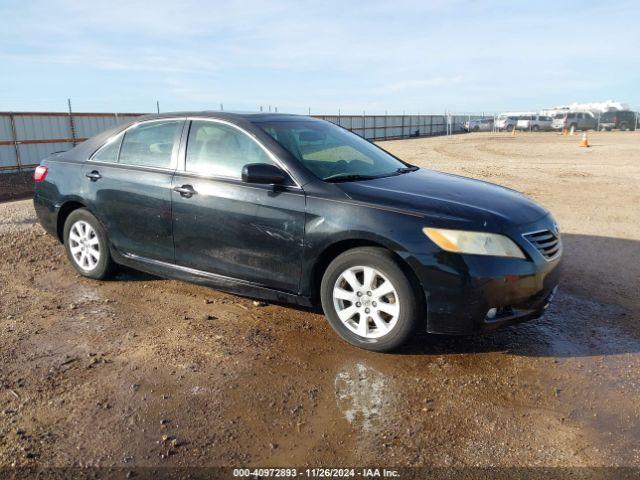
[362, 393]
[577, 327]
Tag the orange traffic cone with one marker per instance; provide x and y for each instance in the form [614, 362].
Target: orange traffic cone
[565, 132]
[585, 141]
[513, 132]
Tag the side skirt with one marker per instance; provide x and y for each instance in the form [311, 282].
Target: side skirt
[219, 282]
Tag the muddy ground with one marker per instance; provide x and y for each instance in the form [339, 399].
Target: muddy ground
[141, 371]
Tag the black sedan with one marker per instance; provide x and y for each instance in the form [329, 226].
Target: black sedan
[292, 209]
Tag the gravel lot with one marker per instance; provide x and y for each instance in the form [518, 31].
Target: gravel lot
[141, 371]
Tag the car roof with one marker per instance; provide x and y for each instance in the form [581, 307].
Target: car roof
[230, 116]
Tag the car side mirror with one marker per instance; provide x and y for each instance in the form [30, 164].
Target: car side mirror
[264, 174]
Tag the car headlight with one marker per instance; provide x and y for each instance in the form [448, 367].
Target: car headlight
[476, 243]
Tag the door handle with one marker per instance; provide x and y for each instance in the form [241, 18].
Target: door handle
[185, 191]
[94, 176]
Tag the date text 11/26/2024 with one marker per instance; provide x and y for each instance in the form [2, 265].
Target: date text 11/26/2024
[316, 472]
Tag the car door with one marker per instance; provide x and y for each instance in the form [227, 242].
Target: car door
[226, 227]
[129, 187]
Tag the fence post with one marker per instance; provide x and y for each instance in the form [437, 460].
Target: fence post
[71, 124]
[386, 118]
[402, 131]
[15, 141]
[364, 125]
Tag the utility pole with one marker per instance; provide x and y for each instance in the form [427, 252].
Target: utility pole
[158, 106]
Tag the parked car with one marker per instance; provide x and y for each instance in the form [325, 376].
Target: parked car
[479, 125]
[506, 122]
[292, 209]
[621, 119]
[534, 123]
[577, 120]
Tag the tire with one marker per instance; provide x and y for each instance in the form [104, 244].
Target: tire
[509, 128]
[85, 242]
[624, 127]
[387, 328]
[476, 128]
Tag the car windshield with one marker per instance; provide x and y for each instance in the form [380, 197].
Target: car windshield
[333, 153]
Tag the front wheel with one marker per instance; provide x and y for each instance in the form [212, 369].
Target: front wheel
[368, 299]
[86, 244]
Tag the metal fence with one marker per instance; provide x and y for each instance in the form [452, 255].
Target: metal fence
[28, 137]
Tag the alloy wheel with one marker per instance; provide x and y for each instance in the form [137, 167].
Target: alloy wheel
[84, 245]
[366, 301]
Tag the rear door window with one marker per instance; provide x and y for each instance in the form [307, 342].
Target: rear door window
[221, 150]
[151, 144]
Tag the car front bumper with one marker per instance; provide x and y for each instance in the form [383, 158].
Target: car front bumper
[461, 290]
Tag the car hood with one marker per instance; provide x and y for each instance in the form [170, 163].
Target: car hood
[447, 199]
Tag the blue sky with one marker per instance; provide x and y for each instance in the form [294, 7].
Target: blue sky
[417, 56]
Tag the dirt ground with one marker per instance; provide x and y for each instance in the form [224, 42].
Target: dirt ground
[140, 371]
[14, 186]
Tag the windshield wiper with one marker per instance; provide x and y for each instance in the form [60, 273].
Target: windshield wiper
[406, 169]
[345, 177]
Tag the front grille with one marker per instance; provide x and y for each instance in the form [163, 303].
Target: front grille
[547, 242]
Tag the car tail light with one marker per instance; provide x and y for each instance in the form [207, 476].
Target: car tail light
[40, 173]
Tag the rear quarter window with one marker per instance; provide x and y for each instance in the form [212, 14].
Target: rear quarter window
[108, 153]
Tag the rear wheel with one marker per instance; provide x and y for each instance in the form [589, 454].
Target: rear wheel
[86, 244]
[476, 128]
[536, 128]
[368, 299]
[624, 127]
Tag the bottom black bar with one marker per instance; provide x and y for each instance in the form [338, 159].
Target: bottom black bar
[422, 473]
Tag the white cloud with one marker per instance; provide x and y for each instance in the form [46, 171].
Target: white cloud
[382, 55]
